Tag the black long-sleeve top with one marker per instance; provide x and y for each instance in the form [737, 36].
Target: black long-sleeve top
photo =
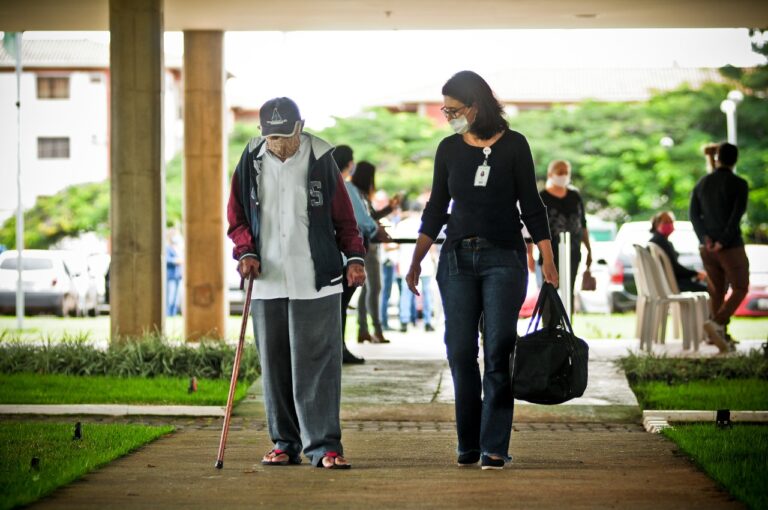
[486, 211]
[681, 272]
[718, 202]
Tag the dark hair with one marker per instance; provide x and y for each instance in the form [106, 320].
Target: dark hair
[342, 155]
[472, 90]
[365, 177]
[727, 154]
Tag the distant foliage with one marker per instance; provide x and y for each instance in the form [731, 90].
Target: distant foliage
[148, 357]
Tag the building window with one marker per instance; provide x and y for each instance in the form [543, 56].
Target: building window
[53, 87]
[50, 148]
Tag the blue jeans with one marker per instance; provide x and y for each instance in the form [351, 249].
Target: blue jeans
[480, 278]
[408, 302]
[173, 296]
[387, 277]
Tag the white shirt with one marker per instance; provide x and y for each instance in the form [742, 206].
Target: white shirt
[408, 228]
[286, 260]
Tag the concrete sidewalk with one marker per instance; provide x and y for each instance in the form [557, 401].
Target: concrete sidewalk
[558, 469]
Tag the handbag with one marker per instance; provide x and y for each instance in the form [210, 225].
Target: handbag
[549, 365]
[588, 282]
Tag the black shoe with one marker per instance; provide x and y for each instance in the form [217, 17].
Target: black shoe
[491, 463]
[350, 359]
[468, 459]
[403, 327]
[428, 327]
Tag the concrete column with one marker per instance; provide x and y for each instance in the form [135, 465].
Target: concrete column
[137, 275]
[205, 305]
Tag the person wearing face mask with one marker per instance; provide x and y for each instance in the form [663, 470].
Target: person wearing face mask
[565, 210]
[291, 219]
[688, 280]
[485, 169]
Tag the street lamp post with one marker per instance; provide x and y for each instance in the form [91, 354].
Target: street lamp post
[728, 107]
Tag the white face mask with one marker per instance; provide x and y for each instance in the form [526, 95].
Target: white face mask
[460, 124]
[560, 180]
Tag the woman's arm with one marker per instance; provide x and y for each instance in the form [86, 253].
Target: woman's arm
[423, 244]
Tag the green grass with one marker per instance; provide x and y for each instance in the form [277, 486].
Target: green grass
[61, 460]
[67, 389]
[734, 457]
[734, 394]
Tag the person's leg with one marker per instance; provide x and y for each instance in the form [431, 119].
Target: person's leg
[462, 305]
[716, 284]
[170, 297]
[387, 275]
[314, 327]
[362, 313]
[407, 299]
[346, 297]
[270, 327]
[504, 281]
[373, 280]
[736, 267]
[426, 295]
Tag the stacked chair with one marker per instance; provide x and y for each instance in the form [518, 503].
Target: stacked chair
[656, 295]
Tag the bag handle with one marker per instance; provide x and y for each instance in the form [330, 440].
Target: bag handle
[549, 293]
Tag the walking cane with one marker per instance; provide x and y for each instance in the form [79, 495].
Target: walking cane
[235, 371]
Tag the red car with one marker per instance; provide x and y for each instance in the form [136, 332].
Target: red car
[755, 304]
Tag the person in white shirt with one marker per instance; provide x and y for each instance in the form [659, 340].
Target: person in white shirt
[290, 219]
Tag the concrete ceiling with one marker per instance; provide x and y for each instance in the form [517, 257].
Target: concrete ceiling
[251, 15]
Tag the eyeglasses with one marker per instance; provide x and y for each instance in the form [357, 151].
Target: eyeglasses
[451, 113]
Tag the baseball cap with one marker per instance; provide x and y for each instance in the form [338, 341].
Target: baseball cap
[279, 117]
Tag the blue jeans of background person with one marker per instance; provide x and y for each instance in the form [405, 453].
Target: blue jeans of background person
[408, 302]
[387, 277]
[480, 278]
[173, 297]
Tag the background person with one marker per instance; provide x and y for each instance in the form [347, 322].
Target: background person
[718, 202]
[344, 158]
[290, 218]
[565, 211]
[364, 178]
[485, 169]
[688, 280]
[174, 260]
[408, 228]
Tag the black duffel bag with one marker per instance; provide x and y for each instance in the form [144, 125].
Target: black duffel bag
[549, 366]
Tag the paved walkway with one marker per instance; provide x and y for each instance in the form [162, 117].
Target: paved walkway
[399, 433]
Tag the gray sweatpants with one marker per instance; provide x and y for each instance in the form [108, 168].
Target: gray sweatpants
[300, 352]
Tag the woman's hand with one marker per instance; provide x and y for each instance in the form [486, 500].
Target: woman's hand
[549, 271]
[412, 278]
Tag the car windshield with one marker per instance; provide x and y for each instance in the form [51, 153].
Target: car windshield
[28, 264]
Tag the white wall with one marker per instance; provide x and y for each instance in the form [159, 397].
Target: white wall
[83, 118]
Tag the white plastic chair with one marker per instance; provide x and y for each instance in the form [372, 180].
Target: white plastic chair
[644, 305]
[671, 287]
[661, 298]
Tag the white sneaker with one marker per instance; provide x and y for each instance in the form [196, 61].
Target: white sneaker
[716, 334]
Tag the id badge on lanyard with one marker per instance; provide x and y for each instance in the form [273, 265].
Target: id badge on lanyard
[484, 170]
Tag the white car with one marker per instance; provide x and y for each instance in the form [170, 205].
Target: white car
[53, 281]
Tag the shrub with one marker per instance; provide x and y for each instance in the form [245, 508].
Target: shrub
[640, 368]
[149, 356]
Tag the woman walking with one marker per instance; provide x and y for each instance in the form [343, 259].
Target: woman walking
[485, 169]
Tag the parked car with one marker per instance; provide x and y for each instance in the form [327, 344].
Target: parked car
[755, 303]
[622, 288]
[53, 281]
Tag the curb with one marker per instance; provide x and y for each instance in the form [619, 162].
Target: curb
[113, 410]
[656, 421]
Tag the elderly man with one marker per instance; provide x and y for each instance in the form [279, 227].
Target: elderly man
[291, 219]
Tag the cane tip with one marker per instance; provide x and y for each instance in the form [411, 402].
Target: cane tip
[219, 464]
